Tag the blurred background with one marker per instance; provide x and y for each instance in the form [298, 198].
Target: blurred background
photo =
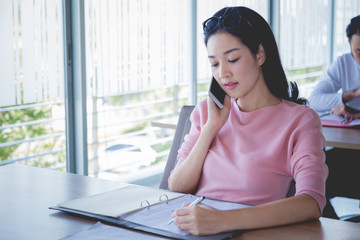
[87, 86]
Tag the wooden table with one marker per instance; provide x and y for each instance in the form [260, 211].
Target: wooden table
[27, 192]
[342, 137]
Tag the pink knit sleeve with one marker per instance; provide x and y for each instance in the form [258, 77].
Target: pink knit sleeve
[308, 158]
[197, 118]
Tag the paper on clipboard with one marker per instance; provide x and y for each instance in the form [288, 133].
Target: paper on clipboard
[158, 216]
[111, 207]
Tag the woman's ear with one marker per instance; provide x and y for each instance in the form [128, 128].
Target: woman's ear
[261, 56]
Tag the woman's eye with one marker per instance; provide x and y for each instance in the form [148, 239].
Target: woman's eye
[234, 60]
[214, 65]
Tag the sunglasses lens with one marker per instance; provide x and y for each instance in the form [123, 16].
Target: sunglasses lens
[210, 24]
[228, 22]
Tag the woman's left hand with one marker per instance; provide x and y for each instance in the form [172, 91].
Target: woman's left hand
[198, 220]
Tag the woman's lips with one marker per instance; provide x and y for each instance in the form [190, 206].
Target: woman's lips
[230, 85]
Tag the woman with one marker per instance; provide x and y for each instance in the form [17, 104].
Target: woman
[251, 150]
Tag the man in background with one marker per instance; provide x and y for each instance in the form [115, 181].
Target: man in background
[344, 74]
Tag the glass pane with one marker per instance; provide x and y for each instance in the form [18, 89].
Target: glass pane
[32, 110]
[138, 75]
[136, 61]
[304, 41]
[305, 36]
[344, 12]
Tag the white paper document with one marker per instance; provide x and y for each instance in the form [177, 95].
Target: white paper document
[159, 215]
[346, 206]
[150, 209]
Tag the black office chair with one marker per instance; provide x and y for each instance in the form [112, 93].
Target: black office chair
[182, 128]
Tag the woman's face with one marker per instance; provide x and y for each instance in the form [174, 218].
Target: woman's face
[355, 47]
[234, 67]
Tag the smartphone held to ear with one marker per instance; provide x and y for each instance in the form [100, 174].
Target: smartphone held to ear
[216, 93]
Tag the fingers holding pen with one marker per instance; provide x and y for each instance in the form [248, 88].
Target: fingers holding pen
[197, 220]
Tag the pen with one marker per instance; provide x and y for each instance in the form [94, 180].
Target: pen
[346, 120]
[196, 201]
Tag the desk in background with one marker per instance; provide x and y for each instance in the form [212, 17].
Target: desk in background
[165, 123]
[335, 136]
[342, 137]
[27, 192]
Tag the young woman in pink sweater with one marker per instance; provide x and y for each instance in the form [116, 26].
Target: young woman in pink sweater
[252, 149]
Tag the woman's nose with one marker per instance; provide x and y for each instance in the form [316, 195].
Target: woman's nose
[224, 71]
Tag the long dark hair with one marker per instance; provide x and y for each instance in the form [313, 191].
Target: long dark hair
[253, 30]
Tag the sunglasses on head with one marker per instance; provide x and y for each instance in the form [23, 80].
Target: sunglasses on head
[228, 21]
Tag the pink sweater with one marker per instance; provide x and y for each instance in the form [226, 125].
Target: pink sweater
[257, 154]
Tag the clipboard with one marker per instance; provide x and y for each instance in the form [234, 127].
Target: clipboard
[147, 212]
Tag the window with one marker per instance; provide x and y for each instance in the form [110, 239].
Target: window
[139, 64]
[32, 93]
[137, 58]
[137, 71]
[344, 11]
[311, 39]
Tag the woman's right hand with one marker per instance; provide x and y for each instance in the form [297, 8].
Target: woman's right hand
[216, 116]
[185, 177]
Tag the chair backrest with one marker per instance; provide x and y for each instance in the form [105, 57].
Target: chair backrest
[292, 189]
[182, 128]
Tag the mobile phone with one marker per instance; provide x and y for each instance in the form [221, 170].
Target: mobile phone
[216, 93]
